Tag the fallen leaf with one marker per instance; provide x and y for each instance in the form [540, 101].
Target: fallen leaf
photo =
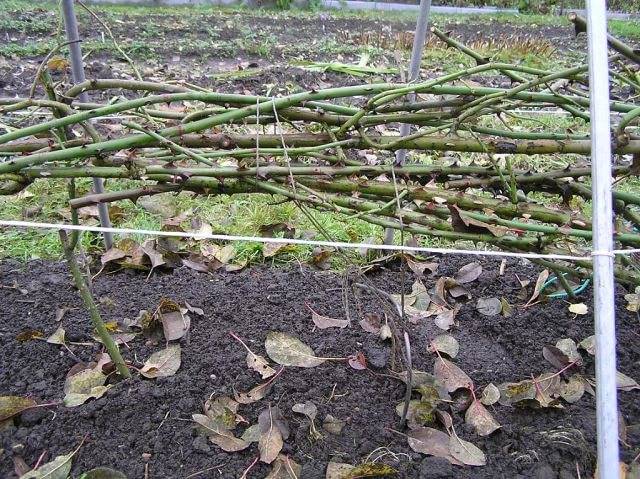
[271, 441]
[218, 434]
[103, 473]
[289, 351]
[419, 413]
[445, 319]
[285, 468]
[569, 348]
[269, 250]
[259, 365]
[112, 254]
[625, 383]
[507, 309]
[468, 273]
[87, 384]
[57, 337]
[589, 345]
[154, 256]
[60, 312]
[481, 419]
[578, 308]
[59, 468]
[175, 324]
[465, 452]
[162, 363]
[572, 390]
[556, 357]
[490, 395]
[489, 306]
[371, 323]
[308, 409]
[357, 361]
[385, 332]
[251, 434]
[332, 425]
[12, 405]
[419, 267]
[451, 375]
[223, 411]
[633, 300]
[324, 322]
[338, 470]
[258, 392]
[542, 278]
[427, 440]
[445, 344]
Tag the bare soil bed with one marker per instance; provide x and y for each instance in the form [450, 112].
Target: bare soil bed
[144, 424]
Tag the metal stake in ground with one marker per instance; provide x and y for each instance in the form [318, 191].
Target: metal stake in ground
[419, 39]
[77, 72]
[603, 287]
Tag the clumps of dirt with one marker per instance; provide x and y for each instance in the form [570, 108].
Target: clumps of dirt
[145, 425]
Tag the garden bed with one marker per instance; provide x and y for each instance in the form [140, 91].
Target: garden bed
[143, 427]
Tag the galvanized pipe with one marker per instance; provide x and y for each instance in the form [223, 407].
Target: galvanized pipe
[603, 285]
[77, 73]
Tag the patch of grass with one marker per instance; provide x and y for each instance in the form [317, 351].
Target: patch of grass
[625, 28]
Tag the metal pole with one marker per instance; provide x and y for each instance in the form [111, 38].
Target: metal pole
[419, 39]
[77, 73]
[603, 284]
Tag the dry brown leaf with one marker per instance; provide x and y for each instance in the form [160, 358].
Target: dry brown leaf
[324, 322]
[451, 375]
[481, 419]
[162, 363]
[289, 351]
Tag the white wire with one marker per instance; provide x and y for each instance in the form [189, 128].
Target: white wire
[332, 244]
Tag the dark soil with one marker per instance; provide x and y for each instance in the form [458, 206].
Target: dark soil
[146, 422]
[196, 47]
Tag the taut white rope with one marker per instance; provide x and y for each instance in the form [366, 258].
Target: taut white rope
[332, 244]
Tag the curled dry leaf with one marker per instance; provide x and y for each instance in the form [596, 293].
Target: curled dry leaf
[12, 405]
[419, 413]
[419, 267]
[289, 351]
[481, 419]
[308, 409]
[489, 306]
[446, 344]
[87, 384]
[163, 363]
[625, 383]
[218, 434]
[324, 322]
[465, 452]
[357, 361]
[451, 375]
[57, 337]
[578, 308]
[223, 411]
[507, 309]
[385, 332]
[542, 278]
[285, 468]
[589, 345]
[468, 273]
[490, 395]
[258, 392]
[371, 323]
[259, 365]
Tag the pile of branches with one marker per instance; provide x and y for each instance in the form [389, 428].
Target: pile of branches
[332, 149]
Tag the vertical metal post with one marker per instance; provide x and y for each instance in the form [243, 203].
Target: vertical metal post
[419, 39]
[603, 284]
[77, 72]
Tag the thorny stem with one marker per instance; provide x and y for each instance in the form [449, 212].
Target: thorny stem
[96, 319]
